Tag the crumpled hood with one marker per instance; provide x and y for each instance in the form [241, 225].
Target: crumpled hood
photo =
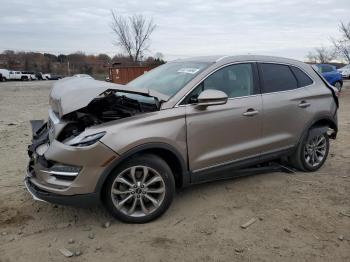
[73, 93]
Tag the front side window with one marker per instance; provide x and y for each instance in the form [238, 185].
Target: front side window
[276, 78]
[169, 78]
[234, 80]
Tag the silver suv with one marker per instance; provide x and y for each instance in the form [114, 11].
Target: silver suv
[185, 122]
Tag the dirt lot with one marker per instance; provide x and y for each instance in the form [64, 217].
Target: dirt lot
[302, 217]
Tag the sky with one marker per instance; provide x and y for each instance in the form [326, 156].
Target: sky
[185, 28]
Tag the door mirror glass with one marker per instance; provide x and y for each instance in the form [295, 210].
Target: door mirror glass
[211, 97]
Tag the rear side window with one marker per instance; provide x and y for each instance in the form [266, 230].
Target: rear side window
[326, 68]
[302, 78]
[276, 77]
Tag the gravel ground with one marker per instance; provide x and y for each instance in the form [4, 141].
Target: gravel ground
[300, 217]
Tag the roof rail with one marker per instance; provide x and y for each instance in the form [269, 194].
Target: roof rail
[223, 57]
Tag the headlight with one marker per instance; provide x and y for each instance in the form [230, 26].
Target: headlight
[87, 140]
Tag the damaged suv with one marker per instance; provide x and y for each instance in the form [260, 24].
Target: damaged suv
[185, 122]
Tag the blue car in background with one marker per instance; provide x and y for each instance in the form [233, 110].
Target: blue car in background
[331, 74]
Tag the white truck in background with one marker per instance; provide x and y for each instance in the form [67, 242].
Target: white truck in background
[31, 75]
[5, 74]
[16, 75]
[26, 75]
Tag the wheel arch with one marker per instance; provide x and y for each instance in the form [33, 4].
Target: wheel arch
[165, 151]
[324, 122]
[320, 123]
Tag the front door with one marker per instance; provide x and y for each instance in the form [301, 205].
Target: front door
[226, 133]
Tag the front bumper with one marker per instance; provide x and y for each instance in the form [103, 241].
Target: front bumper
[84, 200]
[44, 182]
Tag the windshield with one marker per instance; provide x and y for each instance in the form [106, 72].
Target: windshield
[169, 78]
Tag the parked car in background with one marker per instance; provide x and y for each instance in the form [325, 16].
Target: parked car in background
[46, 76]
[331, 74]
[55, 77]
[5, 74]
[83, 76]
[1, 77]
[31, 75]
[26, 76]
[185, 122]
[39, 76]
[345, 71]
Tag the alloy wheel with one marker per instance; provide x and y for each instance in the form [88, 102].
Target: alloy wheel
[315, 150]
[138, 191]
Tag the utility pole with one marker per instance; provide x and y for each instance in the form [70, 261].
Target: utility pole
[68, 69]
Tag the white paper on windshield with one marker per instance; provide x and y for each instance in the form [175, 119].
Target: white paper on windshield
[191, 71]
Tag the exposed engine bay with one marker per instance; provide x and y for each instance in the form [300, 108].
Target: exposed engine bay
[109, 106]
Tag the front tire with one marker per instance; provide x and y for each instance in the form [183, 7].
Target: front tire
[140, 190]
[311, 152]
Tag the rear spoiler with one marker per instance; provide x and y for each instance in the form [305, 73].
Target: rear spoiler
[328, 86]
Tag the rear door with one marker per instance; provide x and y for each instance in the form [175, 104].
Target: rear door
[287, 105]
[226, 133]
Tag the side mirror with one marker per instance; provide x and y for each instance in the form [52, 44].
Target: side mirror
[211, 97]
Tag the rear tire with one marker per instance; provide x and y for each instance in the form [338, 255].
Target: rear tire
[140, 190]
[311, 152]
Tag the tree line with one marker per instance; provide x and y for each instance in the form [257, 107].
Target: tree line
[340, 48]
[75, 63]
[132, 35]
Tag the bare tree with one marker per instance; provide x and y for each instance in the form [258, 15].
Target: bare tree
[133, 34]
[321, 55]
[342, 45]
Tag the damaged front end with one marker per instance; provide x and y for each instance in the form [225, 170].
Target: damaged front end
[109, 106]
[66, 157]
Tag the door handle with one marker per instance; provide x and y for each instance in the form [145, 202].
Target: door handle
[304, 104]
[251, 112]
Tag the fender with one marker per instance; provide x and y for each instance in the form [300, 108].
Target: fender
[319, 129]
[140, 148]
